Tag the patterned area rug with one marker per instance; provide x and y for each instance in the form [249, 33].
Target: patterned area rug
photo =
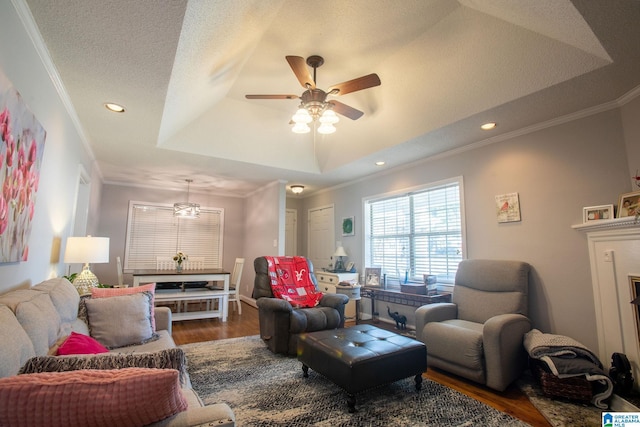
[264, 389]
[559, 413]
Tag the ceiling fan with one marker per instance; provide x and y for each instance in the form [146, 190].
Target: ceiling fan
[314, 104]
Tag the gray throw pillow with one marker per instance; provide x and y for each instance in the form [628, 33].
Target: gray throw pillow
[122, 320]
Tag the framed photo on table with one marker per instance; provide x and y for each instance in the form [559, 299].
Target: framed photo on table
[594, 213]
[372, 277]
[629, 204]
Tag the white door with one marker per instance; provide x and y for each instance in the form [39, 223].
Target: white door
[291, 233]
[321, 237]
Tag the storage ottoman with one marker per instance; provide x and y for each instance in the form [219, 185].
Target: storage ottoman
[362, 357]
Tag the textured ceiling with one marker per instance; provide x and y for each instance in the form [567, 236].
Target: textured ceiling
[182, 68]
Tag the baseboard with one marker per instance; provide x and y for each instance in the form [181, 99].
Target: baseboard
[620, 404]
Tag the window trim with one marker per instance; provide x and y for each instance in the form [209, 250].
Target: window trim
[446, 285]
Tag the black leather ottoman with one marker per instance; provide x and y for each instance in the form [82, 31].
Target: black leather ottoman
[362, 357]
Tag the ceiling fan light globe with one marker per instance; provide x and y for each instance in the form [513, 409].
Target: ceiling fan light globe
[326, 129]
[301, 128]
[329, 116]
[301, 116]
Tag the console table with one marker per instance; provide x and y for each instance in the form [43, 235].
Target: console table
[212, 310]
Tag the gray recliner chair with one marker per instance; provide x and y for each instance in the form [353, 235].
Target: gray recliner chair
[479, 335]
[280, 322]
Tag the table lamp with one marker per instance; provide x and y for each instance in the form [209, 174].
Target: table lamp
[338, 254]
[86, 250]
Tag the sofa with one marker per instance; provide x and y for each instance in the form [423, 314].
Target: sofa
[37, 320]
[281, 322]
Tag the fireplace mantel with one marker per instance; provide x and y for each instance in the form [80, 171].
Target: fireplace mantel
[608, 224]
[614, 255]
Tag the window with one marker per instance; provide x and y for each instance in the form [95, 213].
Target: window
[415, 233]
[153, 231]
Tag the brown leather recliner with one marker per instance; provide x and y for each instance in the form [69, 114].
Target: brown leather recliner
[280, 322]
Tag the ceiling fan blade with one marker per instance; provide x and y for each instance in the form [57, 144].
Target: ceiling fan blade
[300, 69]
[271, 96]
[345, 110]
[354, 85]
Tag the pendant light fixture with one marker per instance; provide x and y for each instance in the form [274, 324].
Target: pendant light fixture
[186, 209]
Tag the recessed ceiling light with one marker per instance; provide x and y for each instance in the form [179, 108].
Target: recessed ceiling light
[116, 108]
[488, 126]
[380, 163]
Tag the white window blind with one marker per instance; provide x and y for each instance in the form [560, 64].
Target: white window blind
[416, 233]
[153, 231]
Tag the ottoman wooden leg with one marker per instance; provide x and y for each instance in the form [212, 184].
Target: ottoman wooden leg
[418, 382]
[351, 402]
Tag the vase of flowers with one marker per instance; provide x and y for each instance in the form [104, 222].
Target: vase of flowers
[179, 258]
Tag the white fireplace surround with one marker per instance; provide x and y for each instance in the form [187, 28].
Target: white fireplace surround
[614, 252]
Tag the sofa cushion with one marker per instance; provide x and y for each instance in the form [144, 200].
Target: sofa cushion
[65, 298]
[121, 321]
[16, 347]
[80, 344]
[91, 398]
[37, 315]
[114, 292]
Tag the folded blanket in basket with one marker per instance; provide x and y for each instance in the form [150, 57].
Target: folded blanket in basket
[566, 358]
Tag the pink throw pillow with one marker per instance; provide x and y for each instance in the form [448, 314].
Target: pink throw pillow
[80, 344]
[126, 397]
[115, 292]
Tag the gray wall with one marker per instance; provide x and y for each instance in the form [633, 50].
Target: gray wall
[113, 222]
[64, 152]
[264, 226]
[630, 113]
[556, 171]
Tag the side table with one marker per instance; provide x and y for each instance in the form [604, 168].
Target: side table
[353, 292]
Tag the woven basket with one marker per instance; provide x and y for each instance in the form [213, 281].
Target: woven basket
[574, 388]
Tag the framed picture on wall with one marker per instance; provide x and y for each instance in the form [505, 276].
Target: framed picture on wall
[348, 228]
[508, 207]
[372, 277]
[629, 204]
[594, 213]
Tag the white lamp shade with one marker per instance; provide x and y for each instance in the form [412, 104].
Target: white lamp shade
[329, 116]
[301, 128]
[302, 116]
[326, 129]
[87, 250]
[340, 252]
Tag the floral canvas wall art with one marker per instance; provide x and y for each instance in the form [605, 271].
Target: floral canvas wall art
[21, 146]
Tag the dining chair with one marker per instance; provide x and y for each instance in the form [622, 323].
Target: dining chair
[119, 269]
[194, 263]
[165, 263]
[234, 285]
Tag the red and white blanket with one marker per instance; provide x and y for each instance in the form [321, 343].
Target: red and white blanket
[291, 281]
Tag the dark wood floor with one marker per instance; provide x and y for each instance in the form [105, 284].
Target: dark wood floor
[511, 401]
